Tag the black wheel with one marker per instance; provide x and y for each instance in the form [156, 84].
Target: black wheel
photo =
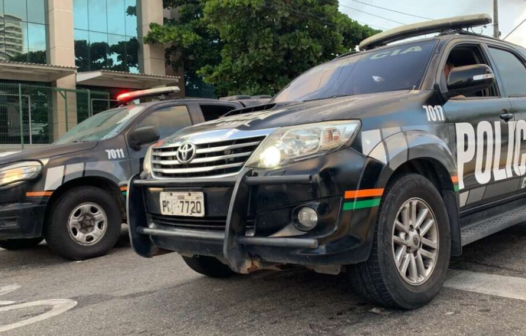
[411, 249]
[208, 266]
[20, 244]
[84, 223]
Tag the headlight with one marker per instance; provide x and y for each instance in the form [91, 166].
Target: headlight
[290, 144]
[18, 172]
[147, 164]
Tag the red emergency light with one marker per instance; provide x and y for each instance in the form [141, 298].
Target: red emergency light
[129, 96]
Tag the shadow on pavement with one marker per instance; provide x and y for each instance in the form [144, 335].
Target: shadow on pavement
[41, 256]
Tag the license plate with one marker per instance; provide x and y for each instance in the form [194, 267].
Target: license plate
[188, 204]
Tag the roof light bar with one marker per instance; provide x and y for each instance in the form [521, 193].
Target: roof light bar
[129, 96]
[423, 28]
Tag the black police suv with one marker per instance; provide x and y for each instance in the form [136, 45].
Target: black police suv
[383, 162]
[68, 193]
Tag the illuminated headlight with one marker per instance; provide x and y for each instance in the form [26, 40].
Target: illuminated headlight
[147, 163]
[18, 172]
[291, 144]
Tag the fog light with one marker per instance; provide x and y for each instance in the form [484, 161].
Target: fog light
[307, 219]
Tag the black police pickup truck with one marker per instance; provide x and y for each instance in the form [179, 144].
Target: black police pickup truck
[383, 162]
[68, 193]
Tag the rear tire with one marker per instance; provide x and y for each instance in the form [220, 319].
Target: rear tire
[208, 266]
[84, 223]
[20, 244]
[382, 279]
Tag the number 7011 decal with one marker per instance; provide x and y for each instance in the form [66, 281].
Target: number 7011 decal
[434, 113]
[114, 154]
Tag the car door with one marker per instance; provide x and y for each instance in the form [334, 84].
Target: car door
[481, 124]
[167, 119]
[511, 68]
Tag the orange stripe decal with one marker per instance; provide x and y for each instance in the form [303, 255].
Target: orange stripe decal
[454, 179]
[39, 194]
[364, 193]
[124, 188]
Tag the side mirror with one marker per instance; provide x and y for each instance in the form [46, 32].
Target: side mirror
[469, 79]
[143, 135]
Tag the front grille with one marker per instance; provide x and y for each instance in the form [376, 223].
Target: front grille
[205, 223]
[216, 223]
[212, 159]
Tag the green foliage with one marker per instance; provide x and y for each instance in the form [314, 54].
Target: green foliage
[255, 46]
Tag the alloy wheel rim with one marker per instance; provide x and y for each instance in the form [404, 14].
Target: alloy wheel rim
[415, 241]
[87, 224]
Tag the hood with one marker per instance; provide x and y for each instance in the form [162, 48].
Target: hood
[297, 113]
[46, 152]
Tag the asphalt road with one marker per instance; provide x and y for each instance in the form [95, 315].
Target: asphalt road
[123, 294]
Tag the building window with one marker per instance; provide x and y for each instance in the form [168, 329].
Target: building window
[23, 31]
[106, 35]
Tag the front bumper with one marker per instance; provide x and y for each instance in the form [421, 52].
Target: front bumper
[258, 228]
[21, 220]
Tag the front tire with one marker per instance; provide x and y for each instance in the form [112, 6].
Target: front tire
[411, 248]
[20, 244]
[84, 223]
[208, 266]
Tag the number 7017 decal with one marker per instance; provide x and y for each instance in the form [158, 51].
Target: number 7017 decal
[114, 154]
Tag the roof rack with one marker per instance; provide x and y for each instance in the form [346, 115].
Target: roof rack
[163, 91]
[423, 28]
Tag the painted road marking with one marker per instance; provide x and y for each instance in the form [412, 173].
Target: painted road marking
[490, 284]
[58, 306]
[8, 289]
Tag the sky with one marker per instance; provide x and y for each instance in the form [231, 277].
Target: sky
[512, 12]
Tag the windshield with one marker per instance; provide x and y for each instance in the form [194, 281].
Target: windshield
[396, 68]
[101, 126]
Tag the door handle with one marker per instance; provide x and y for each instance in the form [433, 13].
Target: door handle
[506, 116]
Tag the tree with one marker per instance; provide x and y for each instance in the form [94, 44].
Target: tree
[191, 43]
[255, 46]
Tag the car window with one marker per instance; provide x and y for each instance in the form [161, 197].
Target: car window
[512, 71]
[168, 120]
[465, 55]
[211, 112]
[400, 67]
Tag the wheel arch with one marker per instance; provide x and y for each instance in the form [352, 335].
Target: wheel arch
[427, 155]
[91, 181]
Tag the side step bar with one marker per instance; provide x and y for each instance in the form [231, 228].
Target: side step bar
[491, 225]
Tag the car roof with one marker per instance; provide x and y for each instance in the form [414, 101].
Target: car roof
[443, 38]
[186, 101]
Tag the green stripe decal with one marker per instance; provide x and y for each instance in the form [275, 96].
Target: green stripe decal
[361, 204]
[456, 187]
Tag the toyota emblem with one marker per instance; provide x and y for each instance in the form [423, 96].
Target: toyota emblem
[186, 152]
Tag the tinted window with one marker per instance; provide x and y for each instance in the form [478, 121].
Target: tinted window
[512, 72]
[168, 120]
[23, 31]
[211, 112]
[395, 68]
[106, 35]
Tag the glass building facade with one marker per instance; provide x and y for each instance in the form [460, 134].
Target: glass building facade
[106, 35]
[23, 31]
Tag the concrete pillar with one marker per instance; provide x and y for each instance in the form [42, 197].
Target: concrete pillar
[151, 57]
[62, 52]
